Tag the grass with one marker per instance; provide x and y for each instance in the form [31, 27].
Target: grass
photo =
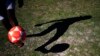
[82, 36]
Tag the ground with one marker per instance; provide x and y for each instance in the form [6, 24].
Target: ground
[82, 36]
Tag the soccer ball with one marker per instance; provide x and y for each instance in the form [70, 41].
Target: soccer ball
[16, 34]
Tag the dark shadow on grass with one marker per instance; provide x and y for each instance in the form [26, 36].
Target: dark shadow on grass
[61, 26]
[55, 49]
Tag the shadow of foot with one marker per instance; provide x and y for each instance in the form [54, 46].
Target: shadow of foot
[55, 49]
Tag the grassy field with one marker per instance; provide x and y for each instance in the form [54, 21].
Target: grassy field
[83, 36]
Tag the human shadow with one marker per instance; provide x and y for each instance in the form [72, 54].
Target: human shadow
[55, 49]
[61, 26]
[20, 3]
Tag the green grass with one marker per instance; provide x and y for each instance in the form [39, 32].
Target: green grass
[83, 36]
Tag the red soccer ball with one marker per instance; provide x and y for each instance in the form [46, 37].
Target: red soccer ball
[16, 34]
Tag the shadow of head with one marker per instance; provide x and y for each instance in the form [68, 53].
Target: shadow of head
[55, 49]
[59, 48]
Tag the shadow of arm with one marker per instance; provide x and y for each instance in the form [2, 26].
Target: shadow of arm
[48, 22]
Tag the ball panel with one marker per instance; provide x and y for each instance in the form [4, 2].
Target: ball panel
[17, 29]
[16, 34]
